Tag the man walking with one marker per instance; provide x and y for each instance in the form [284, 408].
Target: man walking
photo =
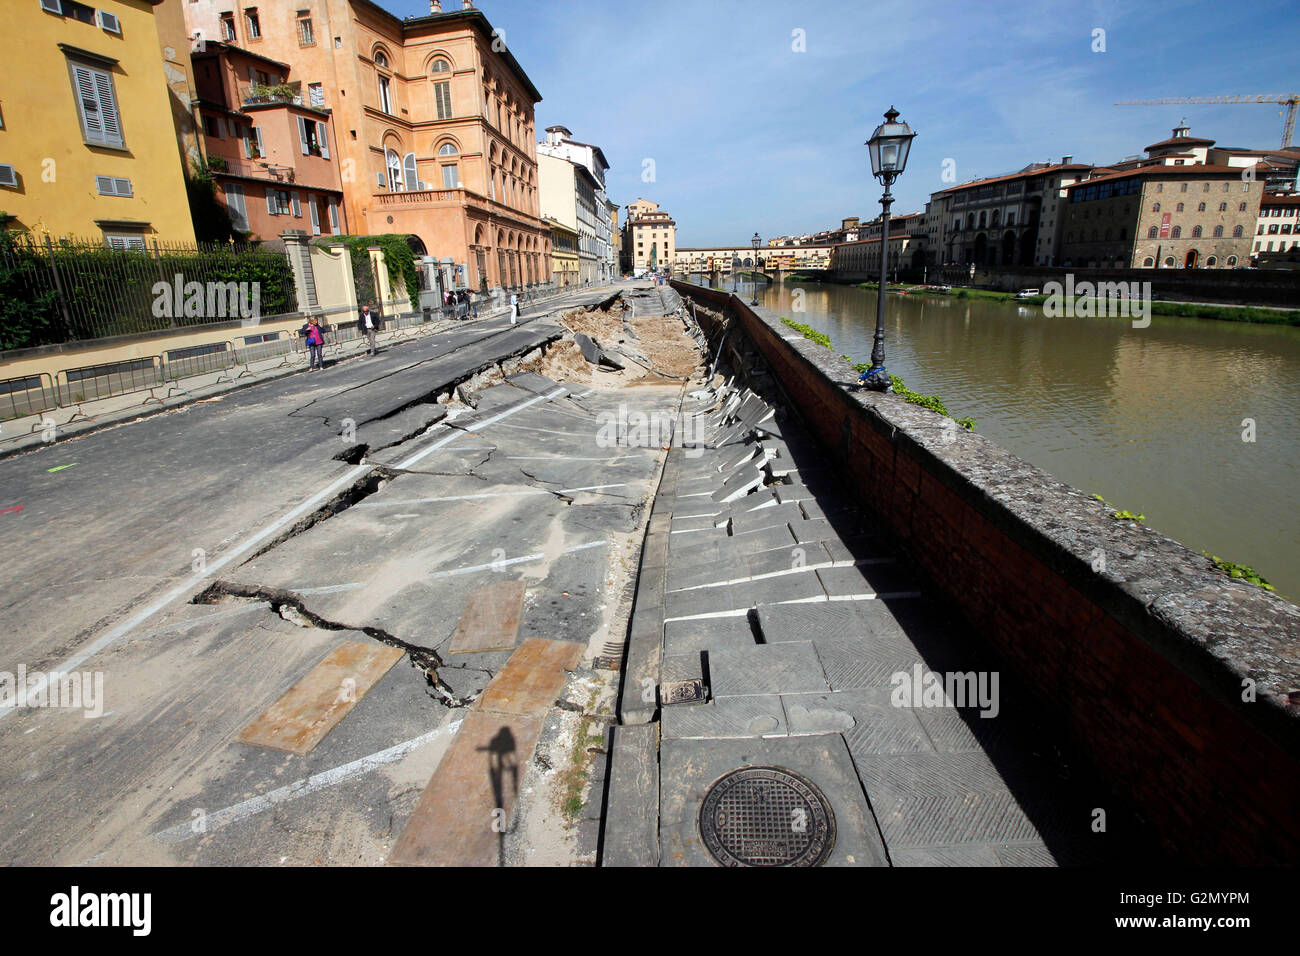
[367, 324]
[514, 308]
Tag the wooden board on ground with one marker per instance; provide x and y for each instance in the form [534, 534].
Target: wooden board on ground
[532, 678]
[466, 809]
[311, 708]
[490, 621]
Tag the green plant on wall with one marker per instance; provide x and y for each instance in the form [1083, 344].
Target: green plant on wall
[1242, 572]
[398, 257]
[1122, 515]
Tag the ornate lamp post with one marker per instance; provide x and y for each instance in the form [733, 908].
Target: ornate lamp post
[755, 242]
[889, 146]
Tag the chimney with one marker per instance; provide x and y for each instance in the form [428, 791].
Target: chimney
[467, 5]
[1065, 160]
[435, 6]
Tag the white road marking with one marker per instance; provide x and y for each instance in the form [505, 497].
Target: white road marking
[506, 562]
[480, 495]
[301, 788]
[569, 458]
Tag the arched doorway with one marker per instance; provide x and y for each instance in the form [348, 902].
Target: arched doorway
[981, 249]
[417, 246]
[1009, 247]
[1193, 259]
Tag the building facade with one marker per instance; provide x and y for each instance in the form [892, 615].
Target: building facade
[787, 258]
[1278, 228]
[560, 143]
[649, 237]
[433, 119]
[83, 153]
[273, 156]
[565, 272]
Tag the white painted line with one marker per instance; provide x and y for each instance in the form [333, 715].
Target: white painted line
[506, 562]
[485, 494]
[301, 788]
[554, 393]
[567, 458]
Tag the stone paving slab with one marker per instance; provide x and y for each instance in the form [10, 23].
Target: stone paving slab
[714, 633]
[689, 767]
[765, 518]
[766, 669]
[868, 581]
[761, 716]
[630, 835]
[801, 586]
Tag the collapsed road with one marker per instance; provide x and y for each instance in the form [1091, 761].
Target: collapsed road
[363, 616]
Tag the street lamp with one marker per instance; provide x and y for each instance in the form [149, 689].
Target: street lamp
[889, 146]
[755, 242]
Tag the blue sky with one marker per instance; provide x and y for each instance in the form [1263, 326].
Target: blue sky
[748, 135]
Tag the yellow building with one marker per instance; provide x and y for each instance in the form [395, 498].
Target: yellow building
[87, 147]
[564, 254]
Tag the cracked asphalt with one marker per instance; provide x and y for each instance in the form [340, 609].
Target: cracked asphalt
[206, 559]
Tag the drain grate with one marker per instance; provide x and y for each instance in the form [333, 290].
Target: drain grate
[766, 816]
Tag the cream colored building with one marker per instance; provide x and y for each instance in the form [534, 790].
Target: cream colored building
[649, 237]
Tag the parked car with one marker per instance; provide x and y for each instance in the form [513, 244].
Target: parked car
[1028, 293]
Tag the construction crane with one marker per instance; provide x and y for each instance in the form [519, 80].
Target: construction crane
[1289, 100]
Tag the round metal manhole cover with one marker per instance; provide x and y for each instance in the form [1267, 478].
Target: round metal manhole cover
[766, 816]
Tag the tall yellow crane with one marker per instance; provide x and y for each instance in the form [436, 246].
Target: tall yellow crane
[1289, 100]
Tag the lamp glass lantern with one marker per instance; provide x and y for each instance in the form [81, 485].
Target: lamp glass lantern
[889, 146]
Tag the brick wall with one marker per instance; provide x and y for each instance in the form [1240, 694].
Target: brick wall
[1143, 661]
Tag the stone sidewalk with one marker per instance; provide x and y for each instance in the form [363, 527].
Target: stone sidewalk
[782, 631]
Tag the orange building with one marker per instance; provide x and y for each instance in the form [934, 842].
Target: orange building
[434, 122]
[271, 153]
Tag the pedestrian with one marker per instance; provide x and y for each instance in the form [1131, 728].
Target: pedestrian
[367, 325]
[315, 344]
[514, 308]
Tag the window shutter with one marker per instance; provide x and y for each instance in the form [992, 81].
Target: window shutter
[123, 187]
[411, 174]
[323, 138]
[261, 147]
[442, 93]
[108, 109]
[334, 216]
[381, 179]
[302, 134]
[297, 207]
[235, 203]
[270, 203]
[91, 127]
[315, 216]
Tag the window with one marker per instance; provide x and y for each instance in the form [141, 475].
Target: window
[8, 175]
[1153, 232]
[306, 35]
[440, 66]
[1178, 208]
[450, 176]
[1200, 207]
[277, 202]
[228, 27]
[1241, 208]
[1177, 233]
[253, 146]
[235, 203]
[394, 165]
[385, 99]
[335, 227]
[1272, 229]
[108, 22]
[1232, 260]
[111, 186]
[316, 94]
[211, 126]
[315, 215]
[101, 124]
[442, 97]
[1169, 262]
[381, 59]
[1148, 262]
[1196, 232]
[1183, 188]
[312, 138]
[1236, 232]
[1155, 207]
[1218, 232]
[447, 149]
[78, 11]
[411, 175]
[125, 240]
[253, 24]
[1223, 207]
[1160, 187]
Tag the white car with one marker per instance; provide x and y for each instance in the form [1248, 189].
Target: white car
[1027, 293]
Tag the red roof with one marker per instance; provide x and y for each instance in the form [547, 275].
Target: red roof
[1162, 170]
[1023, 173]
[1181, 141]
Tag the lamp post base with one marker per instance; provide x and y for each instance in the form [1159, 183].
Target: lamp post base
[876, 379]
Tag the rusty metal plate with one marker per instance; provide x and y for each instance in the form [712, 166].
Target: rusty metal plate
[311, 708]
[490, 621]
[466, 809]
[766, 816]
[532, 678]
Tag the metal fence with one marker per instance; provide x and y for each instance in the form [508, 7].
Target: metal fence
[79, 289]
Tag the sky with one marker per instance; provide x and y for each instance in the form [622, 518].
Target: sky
[754, 115]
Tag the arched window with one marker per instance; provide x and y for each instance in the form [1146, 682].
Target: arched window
[1236, 234]
[1177, 233]
[440, 66]
[1211, 262]
[380, 59]
[1155, 207]
[1232, 260]
[1223, 207]
[448, 149]
[1153, 232]
[1196, 232]
[1169, 262]
[1200, 207]
[1218, 232]
[411, 172]
[1241, 208]
[1148, 262]
[394, 164]
[1178, 208]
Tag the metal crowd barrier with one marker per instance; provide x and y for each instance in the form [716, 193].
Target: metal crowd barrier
[27, 395]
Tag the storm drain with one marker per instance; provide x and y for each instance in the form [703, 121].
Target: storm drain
[766, 816]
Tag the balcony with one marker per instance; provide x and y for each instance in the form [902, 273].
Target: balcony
[257, 95]
[252, 168]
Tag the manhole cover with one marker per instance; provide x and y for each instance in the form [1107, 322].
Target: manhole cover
[766, 816]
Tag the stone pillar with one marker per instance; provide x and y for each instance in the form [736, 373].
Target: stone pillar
[383, 288]
[297, 250]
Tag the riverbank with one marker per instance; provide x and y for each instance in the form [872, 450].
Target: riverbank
[1261, 315]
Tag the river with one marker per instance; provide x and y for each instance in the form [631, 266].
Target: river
[1150, 419]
